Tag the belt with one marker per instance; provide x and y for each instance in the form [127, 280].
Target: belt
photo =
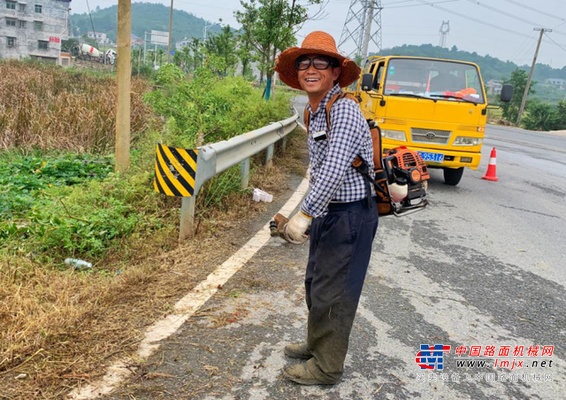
[342, 205]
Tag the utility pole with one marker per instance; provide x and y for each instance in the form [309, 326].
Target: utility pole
[170, 29]
[526, 92]
[123, 79]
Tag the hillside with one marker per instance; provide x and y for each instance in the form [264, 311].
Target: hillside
[145, 18]
[491, 67]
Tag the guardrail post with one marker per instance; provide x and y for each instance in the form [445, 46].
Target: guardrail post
[245, 173]
[187, 226]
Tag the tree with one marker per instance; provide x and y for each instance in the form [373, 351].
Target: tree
[221, 53]
[245, 52]
[70, 44]
[270, 26]
[190, 57]
[519, 81]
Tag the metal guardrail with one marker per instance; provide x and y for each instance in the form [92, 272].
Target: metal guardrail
[215, 158]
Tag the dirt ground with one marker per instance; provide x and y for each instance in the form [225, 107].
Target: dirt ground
[124, 305]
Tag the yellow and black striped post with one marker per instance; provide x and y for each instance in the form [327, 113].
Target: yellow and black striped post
[175, 171]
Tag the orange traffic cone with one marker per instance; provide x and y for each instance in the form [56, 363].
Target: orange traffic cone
[490, 175]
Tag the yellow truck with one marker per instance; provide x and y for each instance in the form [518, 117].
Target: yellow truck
[437, 107]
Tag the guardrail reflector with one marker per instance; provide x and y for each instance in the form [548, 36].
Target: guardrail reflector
[175, 171]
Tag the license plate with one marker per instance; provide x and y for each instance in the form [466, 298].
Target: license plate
[433, 157]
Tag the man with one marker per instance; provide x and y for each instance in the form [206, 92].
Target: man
[338, 212]
[445, 81]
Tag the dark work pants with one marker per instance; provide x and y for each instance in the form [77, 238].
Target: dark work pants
[339, 254]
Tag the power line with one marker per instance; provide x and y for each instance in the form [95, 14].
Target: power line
[486, 23]
[560, 46]
[535, 10]
[479, 21]
[514, 16]
[476, 2]
[503, 12]
[416, 5]
[526, 47]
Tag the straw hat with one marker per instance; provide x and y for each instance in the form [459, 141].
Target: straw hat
[317, 42]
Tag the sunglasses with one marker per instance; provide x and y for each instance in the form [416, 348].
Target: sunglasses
[318, 62]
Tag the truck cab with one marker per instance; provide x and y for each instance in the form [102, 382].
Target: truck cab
[437, 107]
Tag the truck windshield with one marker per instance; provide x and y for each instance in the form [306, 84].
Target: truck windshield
[443, 80]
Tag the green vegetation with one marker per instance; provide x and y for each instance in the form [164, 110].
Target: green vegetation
[60, 198]
[519, 81]
[24, 178]
[56, 202]
[537, 115]
[546, 117]
[211, 107]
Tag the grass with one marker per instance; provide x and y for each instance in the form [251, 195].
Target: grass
[61, 326]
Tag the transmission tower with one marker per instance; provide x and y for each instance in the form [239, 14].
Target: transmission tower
[444, 29]
[363, 23]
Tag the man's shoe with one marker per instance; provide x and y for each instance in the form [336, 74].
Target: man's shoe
[299, 373]
[299, 351]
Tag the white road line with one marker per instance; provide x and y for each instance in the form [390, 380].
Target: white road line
[185, 307]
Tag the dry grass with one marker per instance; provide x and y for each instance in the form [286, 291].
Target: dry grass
[60, 328]
[77, 110]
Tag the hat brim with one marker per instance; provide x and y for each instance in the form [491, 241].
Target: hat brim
[285, 66]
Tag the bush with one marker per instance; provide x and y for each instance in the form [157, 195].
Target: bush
[545, 117]
[208, 108]
[540, 117]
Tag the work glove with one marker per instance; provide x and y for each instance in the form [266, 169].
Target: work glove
[295, 231]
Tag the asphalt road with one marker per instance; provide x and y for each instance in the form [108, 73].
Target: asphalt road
[480, 270]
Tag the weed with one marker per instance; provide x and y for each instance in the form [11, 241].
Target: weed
[59, 198]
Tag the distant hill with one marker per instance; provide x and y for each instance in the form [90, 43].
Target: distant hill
[145, 18]
[491, 67]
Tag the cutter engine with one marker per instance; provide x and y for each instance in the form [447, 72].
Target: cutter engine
[407, 176]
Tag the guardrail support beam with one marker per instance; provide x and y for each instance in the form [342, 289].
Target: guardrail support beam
[187, 226]
[269, 154]
[245, 173]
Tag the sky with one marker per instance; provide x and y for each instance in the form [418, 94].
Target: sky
[503, 29]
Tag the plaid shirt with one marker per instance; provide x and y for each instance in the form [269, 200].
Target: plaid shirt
[332, 177]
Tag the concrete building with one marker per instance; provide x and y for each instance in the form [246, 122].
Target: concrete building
[101, 38]
[33, 28]
[561, 83]
[494, 87]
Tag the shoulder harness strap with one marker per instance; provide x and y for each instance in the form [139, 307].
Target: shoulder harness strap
[337, 96]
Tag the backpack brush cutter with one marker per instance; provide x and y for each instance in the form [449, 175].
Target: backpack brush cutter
[405, 189]
[407, 176]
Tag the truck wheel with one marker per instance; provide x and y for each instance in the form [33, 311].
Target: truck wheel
[453, 176]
